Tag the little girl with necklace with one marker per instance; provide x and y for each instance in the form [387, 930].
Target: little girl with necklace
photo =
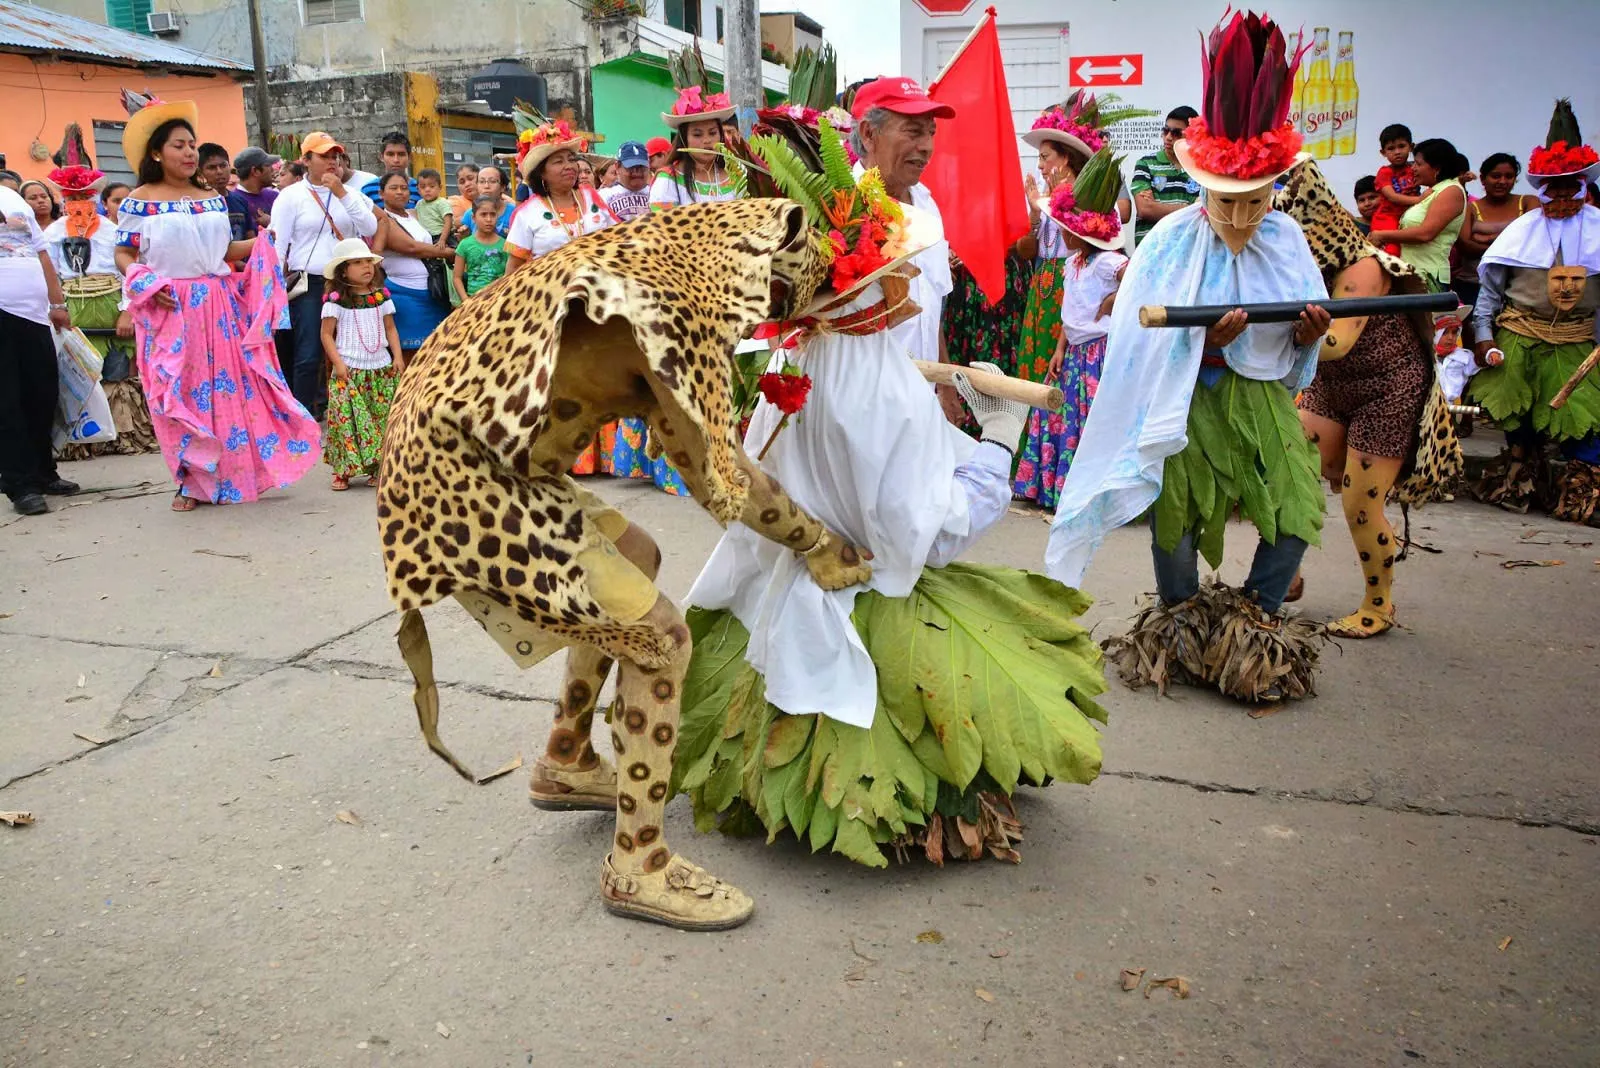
[364, 360]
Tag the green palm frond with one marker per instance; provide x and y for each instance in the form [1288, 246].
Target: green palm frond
[835, 161]
[1564, 125]
[738, 176]
[807, 188]
[1097, 185]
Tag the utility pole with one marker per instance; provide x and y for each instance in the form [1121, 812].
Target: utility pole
[258, 56]
[743, 51]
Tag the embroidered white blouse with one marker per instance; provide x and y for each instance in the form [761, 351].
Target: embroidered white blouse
[177, 238]
[536, 228]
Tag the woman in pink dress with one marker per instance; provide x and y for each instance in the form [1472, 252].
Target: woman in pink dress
[228, 425]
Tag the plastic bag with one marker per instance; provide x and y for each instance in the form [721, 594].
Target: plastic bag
[83, 415]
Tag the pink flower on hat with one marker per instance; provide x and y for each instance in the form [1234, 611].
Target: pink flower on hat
[693, 101]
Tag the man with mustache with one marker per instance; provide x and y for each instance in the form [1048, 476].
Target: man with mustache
[895, 124]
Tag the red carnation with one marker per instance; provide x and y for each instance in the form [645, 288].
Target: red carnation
[785, 392]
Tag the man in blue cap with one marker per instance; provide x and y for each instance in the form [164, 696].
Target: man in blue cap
[630, 197]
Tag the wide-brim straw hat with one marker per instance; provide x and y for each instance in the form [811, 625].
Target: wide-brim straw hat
[539, 153]
[346, 251]
[719, 115]
[142, 124]
[1226, 183]
[1109, 244]
[1040, 136]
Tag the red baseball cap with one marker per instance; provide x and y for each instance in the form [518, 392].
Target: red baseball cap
[657, 145]
[901, 96]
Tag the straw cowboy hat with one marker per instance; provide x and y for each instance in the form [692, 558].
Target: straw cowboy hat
[145, 113]
[347, 251]
[1226, 183]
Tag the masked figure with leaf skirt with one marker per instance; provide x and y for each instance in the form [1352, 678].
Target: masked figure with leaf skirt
[902, 713]
[1197, 421]
[1535, 325]
[83, 247]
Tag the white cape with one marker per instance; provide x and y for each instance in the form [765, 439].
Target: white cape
[872, 457]
[1530, 241]
[1140, 413]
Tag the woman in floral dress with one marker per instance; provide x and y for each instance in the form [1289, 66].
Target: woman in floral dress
[228, 425]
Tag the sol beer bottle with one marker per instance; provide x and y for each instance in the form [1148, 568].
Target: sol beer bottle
[1346, 96]
[1297, 111]
[1318, 99]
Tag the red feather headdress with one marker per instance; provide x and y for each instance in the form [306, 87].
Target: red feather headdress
[1247, 80]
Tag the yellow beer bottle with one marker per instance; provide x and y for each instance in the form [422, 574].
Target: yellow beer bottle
[1346, 96]
[1297, 110]
[1318, 99]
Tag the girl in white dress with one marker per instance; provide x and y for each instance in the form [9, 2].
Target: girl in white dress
[364, 359]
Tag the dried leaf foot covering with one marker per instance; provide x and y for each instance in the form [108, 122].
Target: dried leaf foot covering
[1255, 657]
[1165, 645]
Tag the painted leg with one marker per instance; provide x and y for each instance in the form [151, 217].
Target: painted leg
[1329, 437]
[571, 775]
[642, 877]
[1365, 487]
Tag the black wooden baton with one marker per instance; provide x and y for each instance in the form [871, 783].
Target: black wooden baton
[1288, 311]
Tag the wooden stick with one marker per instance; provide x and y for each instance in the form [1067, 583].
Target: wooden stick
[1034, 394]
[1589, 364]
[1159, 315]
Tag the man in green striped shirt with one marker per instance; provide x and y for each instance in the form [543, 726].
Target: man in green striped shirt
[1160, 187]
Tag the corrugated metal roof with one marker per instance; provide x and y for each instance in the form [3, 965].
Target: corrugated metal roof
[27, 28]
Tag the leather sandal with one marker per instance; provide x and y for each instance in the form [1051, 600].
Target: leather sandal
[681, 895]
[566, 789]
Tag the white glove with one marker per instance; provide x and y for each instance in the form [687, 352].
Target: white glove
[1001, 420]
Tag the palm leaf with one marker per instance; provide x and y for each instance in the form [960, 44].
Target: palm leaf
[835, 162]
[805, 187]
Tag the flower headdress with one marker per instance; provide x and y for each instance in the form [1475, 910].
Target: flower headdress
[1242, 139]
[1088, 206]
[74, 172]
[1081, 121]
[862, 226]
[1563, 155]
[536, 145]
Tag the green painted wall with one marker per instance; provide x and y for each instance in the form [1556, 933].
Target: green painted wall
[629, 97]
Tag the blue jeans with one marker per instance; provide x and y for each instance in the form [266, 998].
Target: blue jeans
[1274, 568]
[304, 374]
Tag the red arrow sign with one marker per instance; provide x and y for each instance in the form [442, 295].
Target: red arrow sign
[1125, 69]
[945, 7]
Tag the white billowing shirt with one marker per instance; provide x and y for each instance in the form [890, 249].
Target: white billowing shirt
[177, 238]
[536, 228]
[102, 249]
[361, 338]
[22, 286]
[305, 236]
[1083, 289]
[873, 458]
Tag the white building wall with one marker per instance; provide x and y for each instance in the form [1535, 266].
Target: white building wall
[1482, 73]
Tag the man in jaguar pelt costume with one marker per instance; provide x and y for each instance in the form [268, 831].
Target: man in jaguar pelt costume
[475, 503]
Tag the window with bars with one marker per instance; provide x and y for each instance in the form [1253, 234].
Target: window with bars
[107, 152]
[325, 12]
[130, 15]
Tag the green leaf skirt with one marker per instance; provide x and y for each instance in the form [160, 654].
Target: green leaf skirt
[1518, 392]
[986, 681]
[1246, 447]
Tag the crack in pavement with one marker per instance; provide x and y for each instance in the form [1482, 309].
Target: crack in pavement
[1344, 798]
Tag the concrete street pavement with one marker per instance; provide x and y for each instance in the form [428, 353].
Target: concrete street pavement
[1402, 871]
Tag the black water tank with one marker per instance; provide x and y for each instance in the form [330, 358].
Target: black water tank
[504, 82]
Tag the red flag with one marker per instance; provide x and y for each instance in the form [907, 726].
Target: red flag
[975, 173]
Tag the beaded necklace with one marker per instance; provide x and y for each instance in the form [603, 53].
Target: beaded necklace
[574, 228]
[370, 334]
